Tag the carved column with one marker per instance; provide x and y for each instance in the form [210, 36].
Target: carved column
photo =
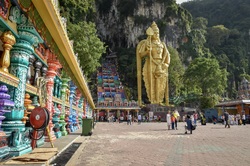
[59, 89]
[53, 65]
[72, 118]
[80, 113]
[78, 96]
[44, 71]
[31, 60]
[63, 98]
[20, 54]
[8, 40]
[37, 66]
[55, 87]
[5, 106]
[84, 107]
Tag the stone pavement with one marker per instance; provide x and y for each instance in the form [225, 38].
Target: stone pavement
[151, 144]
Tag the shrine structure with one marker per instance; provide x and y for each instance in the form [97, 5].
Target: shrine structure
[37, 56]
[112, 99]
[239, 106]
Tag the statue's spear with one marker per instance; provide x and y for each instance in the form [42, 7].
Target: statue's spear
[150, 33]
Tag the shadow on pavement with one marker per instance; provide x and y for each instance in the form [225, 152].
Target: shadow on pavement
[65, 156]
[179, 134]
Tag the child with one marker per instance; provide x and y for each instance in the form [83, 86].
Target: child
[172, 121]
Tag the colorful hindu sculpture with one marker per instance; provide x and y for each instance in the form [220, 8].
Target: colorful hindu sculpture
[32, 74]
[5, 106]
[155, 70]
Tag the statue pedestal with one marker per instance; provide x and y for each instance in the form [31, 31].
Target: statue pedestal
[40, 142]
[19, 141]
[157, 111]
[4, 149]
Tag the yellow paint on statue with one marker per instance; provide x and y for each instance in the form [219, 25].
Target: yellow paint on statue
[155, 69]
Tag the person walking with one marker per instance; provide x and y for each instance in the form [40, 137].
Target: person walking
[129, 119]
[139, 119]
[195, 115]
[168, 120]
[244, 119]
[172, 121]
[226, 116]
[188, 125]
[176, 116]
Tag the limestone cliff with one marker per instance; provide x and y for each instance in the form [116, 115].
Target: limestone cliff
[122, 23]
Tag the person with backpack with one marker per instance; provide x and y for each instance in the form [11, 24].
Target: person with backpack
[189, 125]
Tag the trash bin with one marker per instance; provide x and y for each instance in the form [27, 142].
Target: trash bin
[87, 124]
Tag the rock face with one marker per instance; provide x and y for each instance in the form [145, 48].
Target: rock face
[122, 23]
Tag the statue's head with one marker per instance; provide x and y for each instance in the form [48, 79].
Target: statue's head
[155, 27]
[156, 31]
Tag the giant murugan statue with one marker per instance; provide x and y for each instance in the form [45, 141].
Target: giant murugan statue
[155, 70]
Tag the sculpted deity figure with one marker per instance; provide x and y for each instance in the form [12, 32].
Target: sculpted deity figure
[155, 70]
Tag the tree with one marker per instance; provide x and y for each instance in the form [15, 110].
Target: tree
[217, 35]
[204, 76]
[87, 45]
[176, 71]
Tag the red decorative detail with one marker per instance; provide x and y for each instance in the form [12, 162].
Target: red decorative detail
[84, 106]
[4, 7]
[40, 51]
[53, 65]
[78, 96]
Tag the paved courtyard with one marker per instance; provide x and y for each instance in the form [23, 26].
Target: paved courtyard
[151, 144]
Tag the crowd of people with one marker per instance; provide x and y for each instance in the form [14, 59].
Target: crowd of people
[237, 119]
[172, 119]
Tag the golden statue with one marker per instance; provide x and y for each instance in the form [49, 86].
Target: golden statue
[155, 70]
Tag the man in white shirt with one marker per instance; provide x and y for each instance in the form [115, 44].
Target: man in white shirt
[139, 119]
[244, 119]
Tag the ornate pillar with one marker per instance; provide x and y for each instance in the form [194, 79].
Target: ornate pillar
[55, 120]
[59, 89]
[72, 118]
[37, 66]
[44, 71]
[8, 40]
[5, 106]
[63, 98]
[20, 54]
[55, 90]
[31, 60]
[80, 113]
[84, 107]
[78, 96]
[53, 65]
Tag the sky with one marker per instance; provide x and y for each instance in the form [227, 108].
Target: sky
[180, 1]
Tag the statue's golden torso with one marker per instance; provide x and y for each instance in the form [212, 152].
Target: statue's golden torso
[157, 50]
[155, 68]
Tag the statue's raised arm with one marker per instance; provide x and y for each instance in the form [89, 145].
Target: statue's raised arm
[155, 69]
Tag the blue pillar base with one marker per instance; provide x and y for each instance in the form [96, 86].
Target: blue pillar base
[40, 142]
[4, 152]
[20, 150]
[64, 133]
[58, 134]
